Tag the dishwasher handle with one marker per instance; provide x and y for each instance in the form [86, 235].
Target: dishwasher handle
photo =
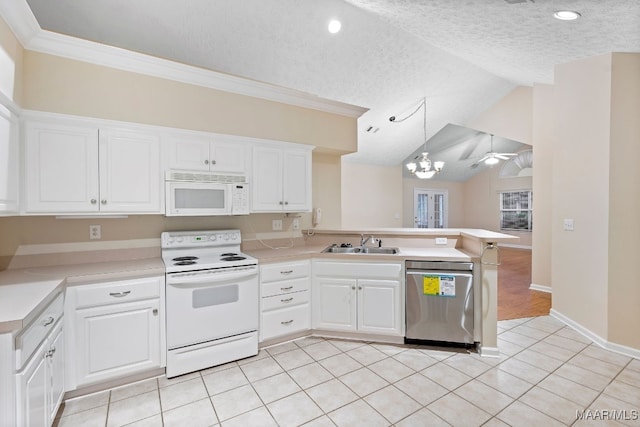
[439, 265]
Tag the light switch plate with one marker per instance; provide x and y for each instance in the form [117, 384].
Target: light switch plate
[441, 240]
[568, 224]
[276, 225]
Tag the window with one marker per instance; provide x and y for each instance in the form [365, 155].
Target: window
[429, 208]
[516, 210]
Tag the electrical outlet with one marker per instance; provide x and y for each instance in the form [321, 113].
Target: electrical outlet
[296, 224]
[276, 225]
[95, 232]
[441, 240]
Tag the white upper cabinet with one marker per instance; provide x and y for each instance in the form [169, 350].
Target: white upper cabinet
[129, 171]
[61, 168]
[202, 153]
[78, 168]
[281, 180]
[9, 161]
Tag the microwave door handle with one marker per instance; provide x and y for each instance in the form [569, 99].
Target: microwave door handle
[208, 280]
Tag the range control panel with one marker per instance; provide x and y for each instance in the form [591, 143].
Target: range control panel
[192, 239]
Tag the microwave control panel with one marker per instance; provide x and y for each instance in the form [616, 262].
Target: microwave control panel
[240, 199]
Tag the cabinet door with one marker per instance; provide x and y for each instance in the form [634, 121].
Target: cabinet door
[228, 157]
[117, 340]
[379, 306]
[55, 367]
[267, 180]
[129, 171]
[32, 392]
[61, 168]
[297, 181]
[188, 152]
[334, 304]
[9, 161]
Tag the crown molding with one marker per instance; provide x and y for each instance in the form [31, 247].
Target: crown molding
[22, 22]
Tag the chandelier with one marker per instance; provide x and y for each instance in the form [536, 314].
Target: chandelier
[423, 168]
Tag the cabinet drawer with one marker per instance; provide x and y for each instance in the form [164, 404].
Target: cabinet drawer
[118, 292]
[286, 321]
[286, 300]
[284, 287]
[31, 337]
[284, 271]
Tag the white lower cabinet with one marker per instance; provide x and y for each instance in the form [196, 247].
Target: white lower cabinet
[118, 330]
[284, 304]
[358, 297]
[40, 384]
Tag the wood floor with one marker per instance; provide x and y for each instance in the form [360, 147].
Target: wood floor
[515, 299]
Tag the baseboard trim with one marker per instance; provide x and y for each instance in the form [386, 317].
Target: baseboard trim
[540, 288]
[617, 348]
[488, 351]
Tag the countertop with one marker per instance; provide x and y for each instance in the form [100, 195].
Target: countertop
[24, 293]
[479, 234]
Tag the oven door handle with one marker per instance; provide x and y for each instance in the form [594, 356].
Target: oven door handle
[208, 280]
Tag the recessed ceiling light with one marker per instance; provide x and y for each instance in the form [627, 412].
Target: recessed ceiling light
[566, 15]
[334, 26]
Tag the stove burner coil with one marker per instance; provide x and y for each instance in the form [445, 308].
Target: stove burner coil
[187, 262]
[228, 254]
[233, 258]
[185, 258]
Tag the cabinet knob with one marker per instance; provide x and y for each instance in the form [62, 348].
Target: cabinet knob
[213, 162]
[94, 201]
[353, 287]
[359, 288]
[281, 202]
[206, 162]
[155, 311]
[286, 203]
[103, 201]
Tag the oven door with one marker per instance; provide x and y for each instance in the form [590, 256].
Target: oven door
[197, 198]
[211, 304]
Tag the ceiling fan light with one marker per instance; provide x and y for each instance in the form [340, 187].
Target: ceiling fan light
[492, 161]
[566, 15]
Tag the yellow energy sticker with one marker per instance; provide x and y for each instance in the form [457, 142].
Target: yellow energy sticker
[431, 285]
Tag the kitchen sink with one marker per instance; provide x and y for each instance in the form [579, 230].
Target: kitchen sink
[335, 249]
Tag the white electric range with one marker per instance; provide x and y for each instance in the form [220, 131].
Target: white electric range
[212, 299]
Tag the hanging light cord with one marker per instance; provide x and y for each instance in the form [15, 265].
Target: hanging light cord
[423, 103]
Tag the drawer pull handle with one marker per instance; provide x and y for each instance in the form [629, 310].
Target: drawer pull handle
[288, 322]
[49, 320]
[288, 288]
[286, 272]
[287, 300]
[119, 294]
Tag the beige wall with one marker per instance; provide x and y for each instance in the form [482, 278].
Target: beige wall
[510, 117]
[544, 134]
[327, 176]
[371, 195]
[482, 201]
[581, 168]
[455, 215]
[63, 85]
[624, 202]
[11, 58]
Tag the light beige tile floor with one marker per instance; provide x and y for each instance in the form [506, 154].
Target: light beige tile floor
[547, 375]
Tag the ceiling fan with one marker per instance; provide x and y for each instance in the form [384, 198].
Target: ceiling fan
[491, 158]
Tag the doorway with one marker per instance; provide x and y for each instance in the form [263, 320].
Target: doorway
[430, 208]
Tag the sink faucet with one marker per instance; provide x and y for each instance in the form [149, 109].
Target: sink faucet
[364, 241]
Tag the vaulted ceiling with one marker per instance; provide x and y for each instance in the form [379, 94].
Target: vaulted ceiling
[463, 56]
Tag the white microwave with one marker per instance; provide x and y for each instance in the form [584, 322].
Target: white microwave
[204, 194]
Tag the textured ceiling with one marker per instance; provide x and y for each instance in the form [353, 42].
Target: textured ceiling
[463, 56]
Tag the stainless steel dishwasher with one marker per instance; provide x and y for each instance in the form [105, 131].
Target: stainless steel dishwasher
[439, 302]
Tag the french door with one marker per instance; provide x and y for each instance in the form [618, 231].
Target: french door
[430, 208]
